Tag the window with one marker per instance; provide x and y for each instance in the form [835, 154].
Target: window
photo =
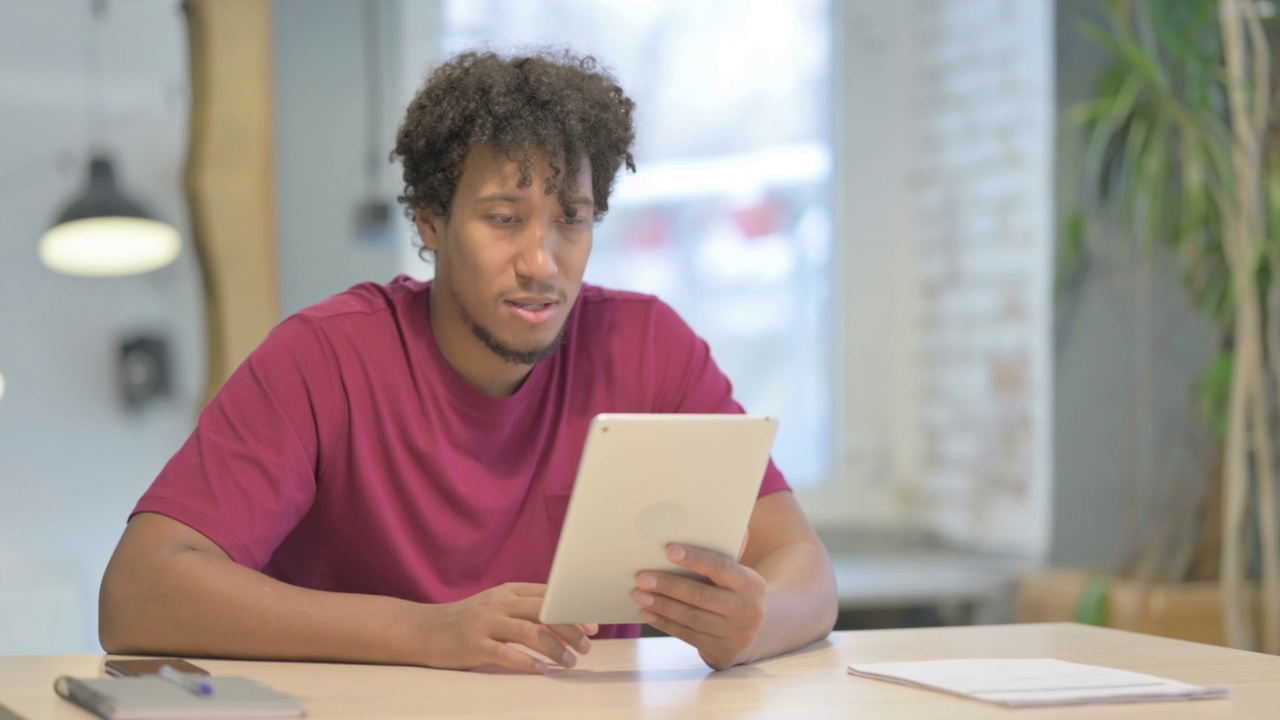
[728, 217]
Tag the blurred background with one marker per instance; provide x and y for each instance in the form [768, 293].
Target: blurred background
[875, 211]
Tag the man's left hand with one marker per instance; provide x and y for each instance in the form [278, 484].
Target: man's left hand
[720, 616]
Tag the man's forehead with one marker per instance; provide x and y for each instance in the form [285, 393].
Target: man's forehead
[487, 168]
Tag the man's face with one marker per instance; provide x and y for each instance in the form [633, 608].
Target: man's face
[509, 258]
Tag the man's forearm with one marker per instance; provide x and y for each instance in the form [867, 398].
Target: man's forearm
[171, 590]
[203, 605]
[800, 602]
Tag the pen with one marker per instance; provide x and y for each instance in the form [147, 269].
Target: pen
[190, 683]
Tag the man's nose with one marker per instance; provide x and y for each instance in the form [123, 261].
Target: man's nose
[537, 258]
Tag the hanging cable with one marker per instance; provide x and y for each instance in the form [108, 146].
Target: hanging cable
[373, 214]
[373, 94]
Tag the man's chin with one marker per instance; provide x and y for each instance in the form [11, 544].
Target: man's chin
[517, 355]
[526, 356]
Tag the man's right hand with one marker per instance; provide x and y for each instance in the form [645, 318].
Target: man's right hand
[490, 627]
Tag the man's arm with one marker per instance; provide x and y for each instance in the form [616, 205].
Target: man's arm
[170, 590]
[780, 596]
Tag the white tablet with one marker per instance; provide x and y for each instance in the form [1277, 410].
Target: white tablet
[646, 481]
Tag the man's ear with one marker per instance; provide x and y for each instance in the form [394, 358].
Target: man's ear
[430, 228]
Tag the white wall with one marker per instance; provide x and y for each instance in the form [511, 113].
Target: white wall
[72, 459]
[323, 115]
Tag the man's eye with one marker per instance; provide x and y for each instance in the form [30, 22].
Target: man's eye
[576, 220]
[503, 219]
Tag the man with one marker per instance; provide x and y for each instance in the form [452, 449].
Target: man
[384, 479]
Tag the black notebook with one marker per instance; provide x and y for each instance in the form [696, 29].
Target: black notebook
[129, 698]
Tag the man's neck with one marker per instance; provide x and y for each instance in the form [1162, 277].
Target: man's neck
[469, 357]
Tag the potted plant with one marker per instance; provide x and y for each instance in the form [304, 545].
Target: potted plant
[1182, 153]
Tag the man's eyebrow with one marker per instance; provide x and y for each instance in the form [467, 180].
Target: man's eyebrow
[515, 198]
[500, 196]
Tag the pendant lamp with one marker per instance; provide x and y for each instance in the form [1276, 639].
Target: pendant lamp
[103, 233]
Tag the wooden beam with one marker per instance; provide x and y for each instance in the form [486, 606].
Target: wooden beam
[230, 177]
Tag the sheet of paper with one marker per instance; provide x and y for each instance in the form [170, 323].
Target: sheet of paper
[1041, 681]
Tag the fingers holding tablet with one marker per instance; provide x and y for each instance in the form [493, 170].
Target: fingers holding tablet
[720, 616]
[500, 627]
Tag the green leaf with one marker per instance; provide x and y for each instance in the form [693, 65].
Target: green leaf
[1094, 606]
[1072, 251]
[1215, 392]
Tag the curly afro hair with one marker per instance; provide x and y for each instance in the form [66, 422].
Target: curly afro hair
[553, 101]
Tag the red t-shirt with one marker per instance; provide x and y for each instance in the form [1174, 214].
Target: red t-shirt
[345, 454]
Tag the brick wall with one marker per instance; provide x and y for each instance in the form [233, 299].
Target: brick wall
[967, 447]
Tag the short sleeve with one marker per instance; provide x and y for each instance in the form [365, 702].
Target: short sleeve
[687, 379]
[247, 474]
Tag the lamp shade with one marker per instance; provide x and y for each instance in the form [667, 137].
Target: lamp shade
[103, 233]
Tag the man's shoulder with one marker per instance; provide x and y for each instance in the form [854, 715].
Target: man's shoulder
[359, 317]
[634, 315]
[599, 300]
[368, 298]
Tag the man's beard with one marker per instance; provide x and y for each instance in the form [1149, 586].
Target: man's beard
[513, 355]
[509, 354]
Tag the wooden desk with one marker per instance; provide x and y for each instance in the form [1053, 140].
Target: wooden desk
[663, 678]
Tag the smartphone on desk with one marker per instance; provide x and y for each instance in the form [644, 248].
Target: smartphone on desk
[120, 667]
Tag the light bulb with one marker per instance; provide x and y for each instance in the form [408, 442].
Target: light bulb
[109, 246]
